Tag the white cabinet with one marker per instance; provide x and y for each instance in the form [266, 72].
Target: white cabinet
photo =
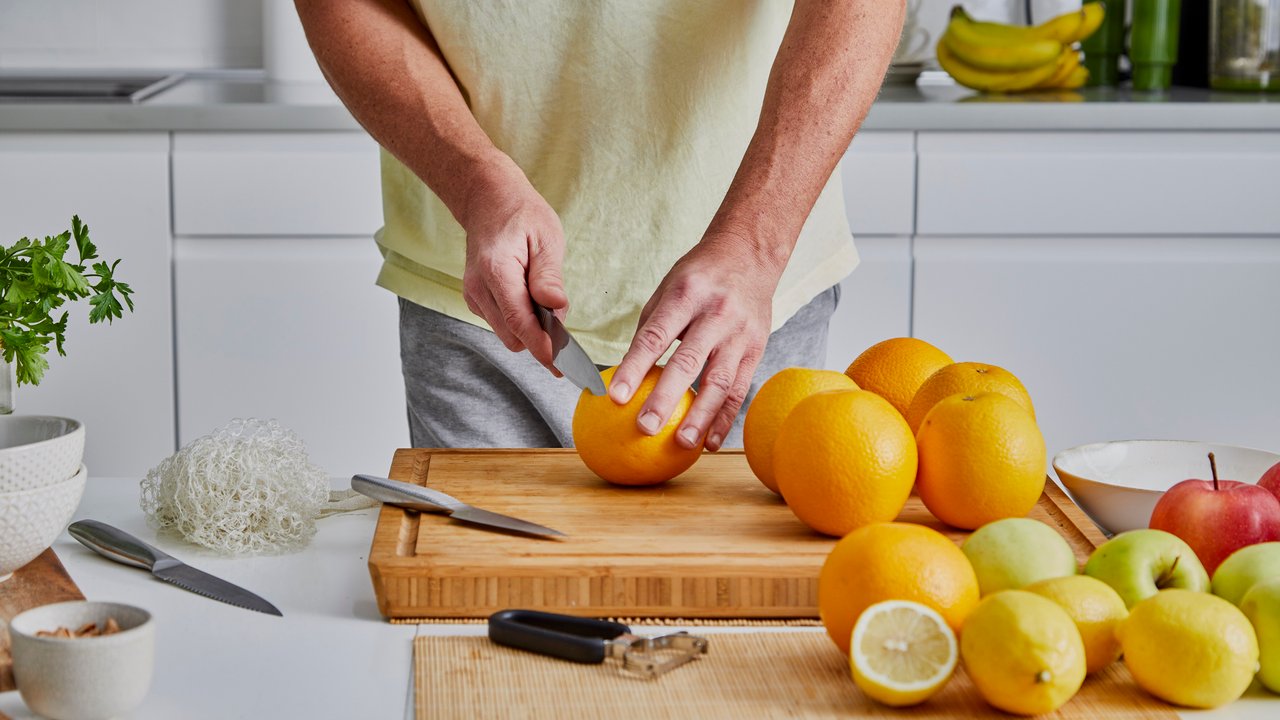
[1116, 338]
[292, 329]
[875, 301]
[879, 178]
[117, 379]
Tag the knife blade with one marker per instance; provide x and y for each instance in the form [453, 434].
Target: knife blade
[567, 355]
[118, 545]
[424, 499]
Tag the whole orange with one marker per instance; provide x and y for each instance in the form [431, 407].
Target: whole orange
[608, 441]
[773, 402]
[970, 378]
[982, 458]
[844, 459]
[895, 369]
[893, 561]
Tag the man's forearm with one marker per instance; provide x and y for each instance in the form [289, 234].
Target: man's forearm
[827, 73]
[385, 66]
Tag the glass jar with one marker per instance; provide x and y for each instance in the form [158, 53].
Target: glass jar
[1244, 51]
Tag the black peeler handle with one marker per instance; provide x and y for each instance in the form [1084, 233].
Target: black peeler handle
[578, 639]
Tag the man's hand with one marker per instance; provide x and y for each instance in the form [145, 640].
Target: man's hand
[515, 249]
[718, 301]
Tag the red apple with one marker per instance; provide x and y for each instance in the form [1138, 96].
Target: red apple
[1271, 480]
[1217, 517]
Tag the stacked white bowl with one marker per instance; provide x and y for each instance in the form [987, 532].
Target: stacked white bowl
[42, 478]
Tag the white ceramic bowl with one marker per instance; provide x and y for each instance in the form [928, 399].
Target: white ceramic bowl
[90, 678]
[38, 450]
[1118, 483]
[31, 519]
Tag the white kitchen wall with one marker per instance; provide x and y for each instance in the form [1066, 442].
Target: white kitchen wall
[134, 34]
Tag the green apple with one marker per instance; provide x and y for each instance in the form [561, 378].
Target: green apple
[1012, 553]
[1140, 563]
[1245, 567]
[1261, 604]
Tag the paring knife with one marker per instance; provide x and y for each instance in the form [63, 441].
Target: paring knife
[118, 545]
[422, 499]
[567, 355]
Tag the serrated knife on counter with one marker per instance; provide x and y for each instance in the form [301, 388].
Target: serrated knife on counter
[424, 499]
[116, 544]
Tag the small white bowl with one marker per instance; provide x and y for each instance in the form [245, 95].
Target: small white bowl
[38, 450]
[30, 520]
[1118, 483]
[92, 678]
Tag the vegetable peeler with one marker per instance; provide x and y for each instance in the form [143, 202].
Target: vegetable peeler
[588, 641]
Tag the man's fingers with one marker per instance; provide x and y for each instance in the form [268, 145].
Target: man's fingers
[515, 312]
[680, 372]
[545, 282]
[719, 382]
[487, 308]
[733, 402]
[651, 341]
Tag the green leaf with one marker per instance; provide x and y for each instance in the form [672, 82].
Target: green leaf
[84, 246]
[104, 307]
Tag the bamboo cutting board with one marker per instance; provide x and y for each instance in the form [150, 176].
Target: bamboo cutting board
[40, 582]
[713, 543]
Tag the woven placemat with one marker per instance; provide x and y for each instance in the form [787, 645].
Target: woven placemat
[796, 674]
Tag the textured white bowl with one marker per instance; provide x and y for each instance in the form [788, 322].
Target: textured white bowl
[31, 519]
[38, 450]
[83, 678]
[1118, 483]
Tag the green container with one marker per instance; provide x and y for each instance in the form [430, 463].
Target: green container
[1153, 43]
[1103, 48]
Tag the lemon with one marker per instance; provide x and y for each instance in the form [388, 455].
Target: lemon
[1097, 611]
[1190, 648]
[1023, 652]
[902, 652]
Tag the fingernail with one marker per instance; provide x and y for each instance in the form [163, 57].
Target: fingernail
[649, 422]
[690, 435]
[620, 392]
[714, 440]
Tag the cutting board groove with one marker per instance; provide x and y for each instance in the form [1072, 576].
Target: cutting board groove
[711, 543]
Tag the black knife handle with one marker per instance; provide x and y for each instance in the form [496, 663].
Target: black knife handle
[581, 640]
[115, 544]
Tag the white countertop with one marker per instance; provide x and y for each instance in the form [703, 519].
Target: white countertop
[240, 100]
[330, 656]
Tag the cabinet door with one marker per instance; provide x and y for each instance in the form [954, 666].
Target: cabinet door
[1117, 338]
[875, 301]
[292, 329]
[117, 379]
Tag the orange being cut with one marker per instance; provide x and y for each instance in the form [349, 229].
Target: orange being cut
[608, 441]
[773, 402]
[895, 369]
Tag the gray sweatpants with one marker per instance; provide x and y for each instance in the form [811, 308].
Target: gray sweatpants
[465, 389]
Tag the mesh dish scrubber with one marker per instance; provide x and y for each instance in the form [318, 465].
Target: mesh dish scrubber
[247, 488]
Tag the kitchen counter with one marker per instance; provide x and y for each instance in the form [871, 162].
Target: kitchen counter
[330, 656]
[243, 101]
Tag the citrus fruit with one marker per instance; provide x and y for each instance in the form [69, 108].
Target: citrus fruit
[969, 378]
[611, 445]
[844, 459]
[893, 561]
[773, 402]
[1023, 652]
[982, 458]
[902, 652]
[1189, 648]
[1012, 553]
[895, 369]
[1097, 611]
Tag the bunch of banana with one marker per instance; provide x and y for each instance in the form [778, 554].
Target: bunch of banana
[992, 57]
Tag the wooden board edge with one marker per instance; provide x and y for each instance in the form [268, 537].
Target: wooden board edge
[50, 563]
[1073, 513]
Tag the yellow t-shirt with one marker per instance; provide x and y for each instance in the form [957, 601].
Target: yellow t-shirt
[631, 119]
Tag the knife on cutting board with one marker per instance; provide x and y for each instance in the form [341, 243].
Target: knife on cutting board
[424, 499]
[116, 544]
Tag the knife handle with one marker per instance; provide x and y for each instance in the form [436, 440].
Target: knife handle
[404, 494]
[115, 544]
